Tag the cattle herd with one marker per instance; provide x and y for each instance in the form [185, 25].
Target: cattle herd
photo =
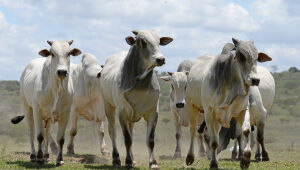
[220, 97]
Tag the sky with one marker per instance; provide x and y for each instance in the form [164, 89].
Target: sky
[99, 27]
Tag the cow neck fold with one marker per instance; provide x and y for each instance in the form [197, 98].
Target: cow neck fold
[132, 67]
[226, 78]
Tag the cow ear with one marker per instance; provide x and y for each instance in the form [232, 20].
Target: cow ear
[130, 40]
[75, 52]
[235, 41]
[262, 57]
[135, 32]
[99, 75]
[50, 42]
[166, 78]
[170, 73]
[165, 40]
[70, 42]
[44, 53]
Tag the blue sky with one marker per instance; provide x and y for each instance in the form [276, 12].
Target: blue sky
[99, 27]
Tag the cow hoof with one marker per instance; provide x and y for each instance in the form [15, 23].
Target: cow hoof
[59, 163]
[32, 158]
[40, 161]
[265, 156]
[46, 157]
[105, 152]
[177, 155]
[54, 148]
[153, 165]
[234, 155]
[190, 159]
[257, 157]
[70, 150]
[245, 161]
[213, 164]
[129, 163]
[116, 162]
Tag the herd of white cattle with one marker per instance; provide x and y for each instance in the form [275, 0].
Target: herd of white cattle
[227, 91]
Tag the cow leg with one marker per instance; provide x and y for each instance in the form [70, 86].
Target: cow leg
[151, 125]
[177, 153]
[53, 145]
[193, 113]
[243, 123]
[39, 128]
[30, 123]
[260, 139]
[234, 150]
[257, 153]
[213, 127]
[100, 131]
[62, 124]
[73, 131]
[46, 141]
[127, 139]
[239, 141]
[110, 114]
[130, 124]
[202, 152]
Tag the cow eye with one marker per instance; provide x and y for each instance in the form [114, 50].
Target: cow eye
[241, 57]
[143, 43]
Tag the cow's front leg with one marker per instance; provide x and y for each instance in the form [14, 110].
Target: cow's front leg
[30, 123]
[213, 128]
[38, 122]
[73, 131]
[99, 126]
[110, 114]
[202, 151]
[234, 150]
[127, 139]
[62, 124]
[151, 125]
[47, 139]
[193, 113]
[177, 153]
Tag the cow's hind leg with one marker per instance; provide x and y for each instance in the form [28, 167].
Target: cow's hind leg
[30, 123]
[62, 124]
[202, 151]
[73, 131]
[127, 140]
[110, 114]
[46, 141]
[234, 150]
[100, 131]
[260, 139]
[151, 125]
[257, 153]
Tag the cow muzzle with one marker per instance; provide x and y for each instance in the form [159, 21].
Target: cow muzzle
[179, 105]
[255, 81]
[160, 61]
[62, 73]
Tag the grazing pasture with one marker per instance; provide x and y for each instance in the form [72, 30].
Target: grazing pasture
[282, 135]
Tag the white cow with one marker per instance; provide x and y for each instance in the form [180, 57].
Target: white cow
[130, 90]
[87, 99]
[260, 101]
[177, 101]
[44, 94]
[219, 85]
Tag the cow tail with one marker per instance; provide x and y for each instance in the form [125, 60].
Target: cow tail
[17, 119]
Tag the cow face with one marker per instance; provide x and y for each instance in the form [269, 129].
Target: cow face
[178, 83]
[247, 56]
[60, 56]
[148, 43]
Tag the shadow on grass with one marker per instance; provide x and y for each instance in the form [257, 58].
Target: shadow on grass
[89, 159]
[106, 167]
[235, 160]
[30, 165]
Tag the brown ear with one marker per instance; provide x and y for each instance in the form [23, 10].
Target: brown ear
[75, 52]
[99, 75]
[44, 53]
[170, 73]
[262, 57]
[165, 40]
[130, 40]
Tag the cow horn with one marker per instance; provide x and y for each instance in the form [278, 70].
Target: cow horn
[50, 42]
[135, 32]
[70, 42]
[235, 41]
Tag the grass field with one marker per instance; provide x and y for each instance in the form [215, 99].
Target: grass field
[281, 136]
